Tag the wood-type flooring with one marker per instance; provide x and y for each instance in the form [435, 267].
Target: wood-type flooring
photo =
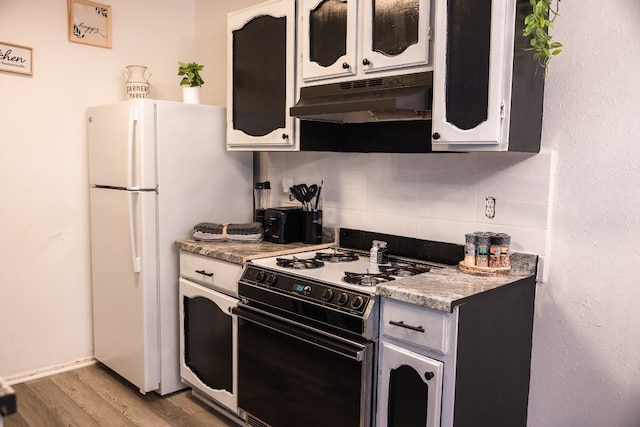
[96, 396]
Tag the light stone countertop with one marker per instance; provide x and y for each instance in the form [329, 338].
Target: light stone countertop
[241, 252]
[440, 289]
[443, 289]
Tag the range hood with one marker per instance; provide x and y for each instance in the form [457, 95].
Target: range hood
[392, 98]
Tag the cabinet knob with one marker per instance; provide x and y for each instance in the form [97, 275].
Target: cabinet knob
[345, 65]
[429, 375]
[365, 61]
[436, 135]
[285, 136]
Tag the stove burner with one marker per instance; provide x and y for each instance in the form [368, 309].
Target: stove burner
[337, 256]
[299, 264]
[403, 269]
[366, 279]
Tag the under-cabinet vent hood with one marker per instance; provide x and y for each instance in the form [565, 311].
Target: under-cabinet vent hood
[392, 98]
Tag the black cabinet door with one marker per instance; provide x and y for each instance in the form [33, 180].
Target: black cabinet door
[410, 388]
[467, 61]
[260, 76]
[328, 32]
[208, 338]
[394, 25]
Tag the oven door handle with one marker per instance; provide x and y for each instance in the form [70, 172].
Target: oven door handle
[352, 350]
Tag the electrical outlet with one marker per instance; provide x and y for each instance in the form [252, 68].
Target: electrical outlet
[490, 207]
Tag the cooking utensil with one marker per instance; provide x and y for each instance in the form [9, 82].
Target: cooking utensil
[313, 190]
[297, 193]
[318, 195]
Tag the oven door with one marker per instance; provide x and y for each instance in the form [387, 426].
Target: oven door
[290, 377]
[208, 343]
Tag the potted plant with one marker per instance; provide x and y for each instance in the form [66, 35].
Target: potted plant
[191, 81]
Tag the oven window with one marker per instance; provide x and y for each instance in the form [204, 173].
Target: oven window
[208, 343]
[283, 380]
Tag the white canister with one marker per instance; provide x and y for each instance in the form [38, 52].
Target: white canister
[137, 84]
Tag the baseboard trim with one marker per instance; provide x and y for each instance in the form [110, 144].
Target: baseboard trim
[45, 372]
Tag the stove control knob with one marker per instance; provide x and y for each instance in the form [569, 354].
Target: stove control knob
[327, 294]
[357, 303]
[260, 276]
[271, 279]
[343, 298]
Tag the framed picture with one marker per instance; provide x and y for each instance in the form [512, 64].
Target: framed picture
[89, 22]
[16, 59]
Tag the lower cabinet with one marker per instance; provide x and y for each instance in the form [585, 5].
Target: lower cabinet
[208, 330]
[410, 388]
[469, 367]
[208, 343]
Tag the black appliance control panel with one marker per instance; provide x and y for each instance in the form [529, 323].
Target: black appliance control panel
[320, 293]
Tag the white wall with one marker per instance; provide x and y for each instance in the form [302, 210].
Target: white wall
[586, 355]
[211, 45]
[45, 293]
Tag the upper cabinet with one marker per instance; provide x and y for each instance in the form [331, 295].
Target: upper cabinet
[261, 77]
[487, 93]
[348, 38]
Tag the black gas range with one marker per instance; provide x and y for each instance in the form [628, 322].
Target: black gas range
[308, 328]
[333, 288]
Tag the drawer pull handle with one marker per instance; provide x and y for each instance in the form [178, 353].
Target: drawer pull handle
[205, 273]
[402, 325]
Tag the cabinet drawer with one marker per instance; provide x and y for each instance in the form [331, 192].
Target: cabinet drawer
[415, 325]
[210, 272]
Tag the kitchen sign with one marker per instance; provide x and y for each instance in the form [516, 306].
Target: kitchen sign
[89, 23]
[16, 59]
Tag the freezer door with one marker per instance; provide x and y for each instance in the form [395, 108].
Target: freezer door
[125, 285]
[122, 150]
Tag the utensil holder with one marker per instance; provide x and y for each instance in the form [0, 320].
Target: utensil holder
[313, 227]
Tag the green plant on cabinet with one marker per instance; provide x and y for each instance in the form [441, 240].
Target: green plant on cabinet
[191, 74]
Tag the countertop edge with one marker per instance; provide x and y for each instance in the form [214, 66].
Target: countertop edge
[449, 287]
[242, 252]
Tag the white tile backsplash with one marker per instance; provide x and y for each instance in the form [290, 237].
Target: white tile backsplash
[510, 187]
[437, 196]
[394, 202]
[397, 224]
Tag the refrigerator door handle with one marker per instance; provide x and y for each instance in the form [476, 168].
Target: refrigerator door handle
[133, 119]
[132, 236]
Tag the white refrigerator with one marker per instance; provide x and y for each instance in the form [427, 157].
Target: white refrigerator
[156, 168]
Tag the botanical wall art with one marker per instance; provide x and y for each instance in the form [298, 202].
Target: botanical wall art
[16, 59]
[89, 22]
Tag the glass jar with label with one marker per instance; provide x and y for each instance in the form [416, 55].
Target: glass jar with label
[482, 249]
[470, 249]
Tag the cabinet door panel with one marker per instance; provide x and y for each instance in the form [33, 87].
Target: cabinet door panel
[396, 34]
[261, 57]
[259, 76]
[467, 59]
[410, 388]
[328, 29]
[469, 74]
[208, 342]
[394, 29]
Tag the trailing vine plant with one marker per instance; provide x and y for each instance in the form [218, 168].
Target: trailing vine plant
[536, 26]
